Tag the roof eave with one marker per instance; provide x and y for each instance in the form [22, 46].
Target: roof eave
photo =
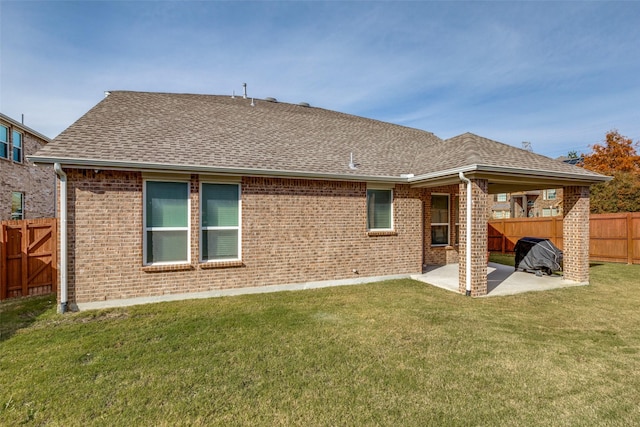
[213, 170]
[497, 172]
[25, 128]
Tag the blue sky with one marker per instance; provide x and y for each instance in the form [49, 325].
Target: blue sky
[557, 74]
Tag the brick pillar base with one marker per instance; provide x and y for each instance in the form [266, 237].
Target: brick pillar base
[576, 233]
[479, 237]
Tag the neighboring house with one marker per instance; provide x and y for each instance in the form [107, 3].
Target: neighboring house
[26, 191]
[531, 204]
[177, 193]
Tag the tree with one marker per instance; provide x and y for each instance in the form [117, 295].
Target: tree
[621, 194]
[618, 154]
[617, 157]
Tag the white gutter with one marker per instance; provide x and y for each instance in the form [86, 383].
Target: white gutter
[188, 169]
[63, 237]
[469, 234]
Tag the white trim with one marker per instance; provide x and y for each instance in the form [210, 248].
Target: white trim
[197, 169]
[204, 180]
[145, 229]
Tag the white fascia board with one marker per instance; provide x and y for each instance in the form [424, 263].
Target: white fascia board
[188, 169]
[488, 171]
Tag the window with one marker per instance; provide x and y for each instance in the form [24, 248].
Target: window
[502, 197]
[439, 219]
[17, 146]
[4, 142]
[17, 205]
[498, 214]
[220, 222]
[550, 211]
[166, 234]
[549, 194]
[379, 209]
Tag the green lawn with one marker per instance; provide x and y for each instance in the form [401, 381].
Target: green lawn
[391, 353]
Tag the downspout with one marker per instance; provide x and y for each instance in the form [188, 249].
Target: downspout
[63, 237]
[469, 234]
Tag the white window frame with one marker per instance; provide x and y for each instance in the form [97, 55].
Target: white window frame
[239, 227]
[391, 205]
[6, 143]
[448, 224]
[500, 196]
[548, 197]
[21, 207]
[14, 148]
[147, 229]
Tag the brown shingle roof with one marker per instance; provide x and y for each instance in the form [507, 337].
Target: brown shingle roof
[215, 131]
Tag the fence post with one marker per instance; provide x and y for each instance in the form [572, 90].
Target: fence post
[25, 259]
[629, 239]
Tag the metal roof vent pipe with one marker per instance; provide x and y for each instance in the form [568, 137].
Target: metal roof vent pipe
[244, 90]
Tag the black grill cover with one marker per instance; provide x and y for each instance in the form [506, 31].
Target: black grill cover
[533, 253]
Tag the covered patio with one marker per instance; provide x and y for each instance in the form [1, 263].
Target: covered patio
[501, 280]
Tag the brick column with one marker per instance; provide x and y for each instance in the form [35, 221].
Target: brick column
[479, 237]
[576, 233]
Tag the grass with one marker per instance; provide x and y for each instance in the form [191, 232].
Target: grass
[390, 353]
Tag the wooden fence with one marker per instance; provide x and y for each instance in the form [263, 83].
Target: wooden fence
[28, 257]
[612, 237]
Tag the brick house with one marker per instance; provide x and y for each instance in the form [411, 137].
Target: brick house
[27, 191]
[527, 204]
[181, 194]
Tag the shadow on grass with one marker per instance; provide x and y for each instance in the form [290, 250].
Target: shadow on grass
[19, 313]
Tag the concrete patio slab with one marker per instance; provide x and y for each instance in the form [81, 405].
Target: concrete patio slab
[501, 280]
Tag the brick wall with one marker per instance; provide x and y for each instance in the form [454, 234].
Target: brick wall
[576, 234]
[479, 237]
[37, 183]
[293, 231]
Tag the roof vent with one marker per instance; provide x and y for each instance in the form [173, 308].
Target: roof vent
[244, 90]
[304, 104]
[270, 99]
[352, 165]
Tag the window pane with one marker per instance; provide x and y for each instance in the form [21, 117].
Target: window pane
[502, 197]
[439, 209]
[220, 206]
[164, 246]
[378, 209]
[17, 147]
[4, 134]
[219, 244]
[439, 235]
[167, 204]
[17, 139]
[17, 204]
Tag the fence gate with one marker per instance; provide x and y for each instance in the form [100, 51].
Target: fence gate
[28, 257]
